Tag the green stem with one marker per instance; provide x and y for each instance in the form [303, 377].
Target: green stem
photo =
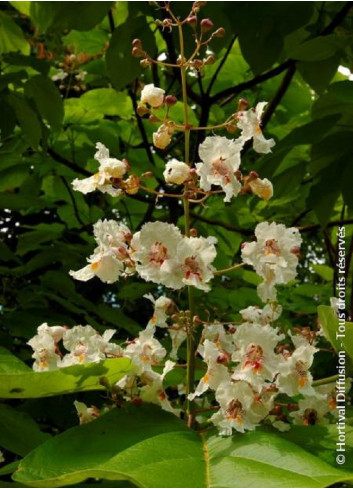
[327, 380]
[190, 370]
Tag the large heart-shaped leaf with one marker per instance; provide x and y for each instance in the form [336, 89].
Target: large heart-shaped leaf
[19, 381]
[152, 448]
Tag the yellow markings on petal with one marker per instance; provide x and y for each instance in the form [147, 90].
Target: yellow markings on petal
[206, 378]
[81, 358]
[303, 381]
[154, 319]
[95, 265]
[43, 364]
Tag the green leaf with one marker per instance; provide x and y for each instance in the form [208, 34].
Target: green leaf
[57, 16]
[11, 36]
[339, 338]
[317, 49]
[152, 448]
[318, 74]
[47, 99]
[18, 432]
[23, 383]
[122, 67]
[26, 118]
[107, 101]
[324, 271]
[90, 42]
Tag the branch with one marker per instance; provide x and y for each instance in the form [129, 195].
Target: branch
[221, 64]
[234, 91]
[61, 159]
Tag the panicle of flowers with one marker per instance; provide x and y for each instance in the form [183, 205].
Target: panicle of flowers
[246, 365]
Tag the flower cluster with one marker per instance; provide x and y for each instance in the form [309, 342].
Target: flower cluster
[159, 253]
[82, 344]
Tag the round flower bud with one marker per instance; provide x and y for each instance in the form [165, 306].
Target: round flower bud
[206, 25]
[137, 52]
[243, 104]
[152, 95]
[176, 172]
[142, 110]
[136, 43]
[220, 32]
[210, 60]
[191, 20]
[170, 100]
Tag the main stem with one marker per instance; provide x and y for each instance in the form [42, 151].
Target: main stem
[190, 369]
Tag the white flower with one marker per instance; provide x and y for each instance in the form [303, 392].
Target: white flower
[176, 172]
[216, 372]
[46, 353]
[81, 75]
[236, 402]
[110, 350]
[161, 306]
[154, 251]
[220, 160]
[263, 188]
[145, 351]
[274, 256]
[106, 265]
[84, 345]
[178, 336]
[195, 256]
[108, 259]
[249, 122]
[154, 391]
[312, 410]
[294, 376]
[255, 344]
[60, 75]
[219, 336]
[109, 173]
[86, 414]
[163, 136]
[56, 332]
[253, 314]
[111, 233]
[152, 95]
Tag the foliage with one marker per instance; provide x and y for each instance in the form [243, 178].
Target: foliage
[284, 52]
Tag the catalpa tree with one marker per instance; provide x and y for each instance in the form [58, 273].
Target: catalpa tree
[204, 393]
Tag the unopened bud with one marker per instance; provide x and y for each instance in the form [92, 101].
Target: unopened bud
[238, 175]
[232, 329]
[191, 20]
[137, 52]
[231, 128]
[197, 64]
[152, 118]
[136, 43]
[170, 100]
[142, 110]
[206, 25]
[196, 320]
[220, 32]
[145, 63]
[252, 175]
[167, 23]
[210, 60]
[292, 407]
[193, 232]
[243, 104]
[104, 382]
[126, 163]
